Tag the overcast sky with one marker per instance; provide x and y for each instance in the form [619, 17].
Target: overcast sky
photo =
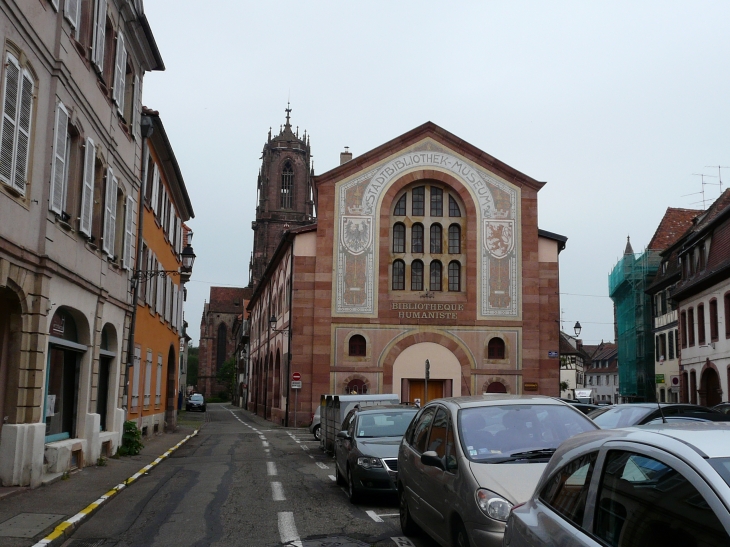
[616, 105]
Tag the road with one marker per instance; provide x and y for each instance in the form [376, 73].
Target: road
[243, 481]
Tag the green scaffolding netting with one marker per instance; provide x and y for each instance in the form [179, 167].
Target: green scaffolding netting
[627, 284]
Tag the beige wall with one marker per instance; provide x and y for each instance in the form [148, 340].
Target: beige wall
[547, 250]
[411, 364]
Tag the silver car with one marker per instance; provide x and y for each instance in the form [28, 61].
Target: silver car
[465, 462]
[664, 485]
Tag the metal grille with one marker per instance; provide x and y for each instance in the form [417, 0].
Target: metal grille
[391, 463]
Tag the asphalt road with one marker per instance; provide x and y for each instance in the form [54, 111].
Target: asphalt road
[243, 482]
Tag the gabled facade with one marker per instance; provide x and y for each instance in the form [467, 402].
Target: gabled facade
[154, 392]
[573, 364]
[602, 374]
[70, 163]
[425, 248]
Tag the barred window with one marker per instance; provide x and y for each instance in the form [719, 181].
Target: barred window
[454, 276]
[417, 201]
[417, 275]
[454, 210]
[400, 207]
[287, 185]
[437, 202]
[455, 239]
[417, 238]
[435, 239]
[399, 275]
[399, 238]
[435, 276]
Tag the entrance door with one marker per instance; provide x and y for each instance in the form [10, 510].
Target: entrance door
[63, 377]
[103, 391]
[710, 391]
[416, 390]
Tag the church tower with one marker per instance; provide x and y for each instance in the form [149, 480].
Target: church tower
[285, 198]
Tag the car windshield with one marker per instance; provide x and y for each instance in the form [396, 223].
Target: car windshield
[622, 416]
[196, 399]
[384, 424]
[494, 434]
[722, 466]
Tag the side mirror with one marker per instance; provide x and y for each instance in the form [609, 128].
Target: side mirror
[343, 435]
[431, 458]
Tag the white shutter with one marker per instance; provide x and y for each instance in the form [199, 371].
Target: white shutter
[135, 106]
[155, 187]
[174, 306]
[22, 147]
[71, 12]
[54, 3]
[180, 316]
[128, 234]
[110, 212]
[158, 384]
[120, 69]
[160, 295]
[168, 300]
[58, 169]
[97, 48]
[178, 248]
[135, 376]
[10, 119]
[147, 378]
[87, 195]
[148, 287]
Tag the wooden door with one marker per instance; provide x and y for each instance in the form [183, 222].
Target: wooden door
[416, 390]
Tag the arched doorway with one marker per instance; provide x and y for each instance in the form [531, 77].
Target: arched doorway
[10, 333]
[409, 373]
[496, 387]
[107, 355]
[710, 390]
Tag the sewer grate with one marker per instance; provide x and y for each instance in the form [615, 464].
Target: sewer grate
[336, 541]
[27, 525]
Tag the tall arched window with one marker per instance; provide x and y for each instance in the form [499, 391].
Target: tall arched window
[435, 284]
[495, 349]
[400, 207]
[287, 186]
[454, 210]
[220, 354]
[417, 238]
[436, 238]
[454, 276]
[357, 345]
[399, 275]
[417, 275]
[399, 238]
[454, 239]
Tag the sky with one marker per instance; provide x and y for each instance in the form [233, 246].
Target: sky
[617, 106]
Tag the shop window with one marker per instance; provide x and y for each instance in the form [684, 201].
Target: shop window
[496, 348]
[357, 345]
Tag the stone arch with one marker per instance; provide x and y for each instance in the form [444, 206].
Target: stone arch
[710, 390]
[358, 379]
[495, 384]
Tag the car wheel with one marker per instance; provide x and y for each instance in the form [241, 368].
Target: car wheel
[317, 432]
[352, 492]
[407, 526]
[339, 480]
[461, 538]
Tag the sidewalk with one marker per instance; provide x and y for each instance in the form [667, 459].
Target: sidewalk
[27, 516]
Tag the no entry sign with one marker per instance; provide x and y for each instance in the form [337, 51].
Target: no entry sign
[296, 376]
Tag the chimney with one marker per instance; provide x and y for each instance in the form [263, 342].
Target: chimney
[345, 156]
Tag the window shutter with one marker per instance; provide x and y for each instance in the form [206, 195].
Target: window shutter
[10, 119]
[135, 106]
[71, 11]
[155, 187]
[148, 285]
[54, 3]
[109, 212]
[22, 147]
[148, 378]
[87, 195]
[174, 306]
[180, 317]
[97, 49]
[128, 234]
[58, 168]
[168, 306]
[135, 377]
[119, 73]
[160, 295]
[158, 383]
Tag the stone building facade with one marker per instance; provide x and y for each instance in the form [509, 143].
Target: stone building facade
[424, 248]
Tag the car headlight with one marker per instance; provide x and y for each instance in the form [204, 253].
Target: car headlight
[492, 505]
[367, 463]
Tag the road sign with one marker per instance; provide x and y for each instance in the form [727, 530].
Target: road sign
[296, 376]
[552, 354]
[296, 384]
[659, 378]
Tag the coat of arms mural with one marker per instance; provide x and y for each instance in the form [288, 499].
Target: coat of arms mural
[496, 203]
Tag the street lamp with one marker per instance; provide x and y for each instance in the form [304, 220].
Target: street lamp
[272, 325]
[577, 328]
[188, 259]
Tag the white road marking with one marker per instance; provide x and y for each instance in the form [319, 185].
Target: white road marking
[373, 516]
[288, 530]
[265, 443]
[304, 447]
[403, 542]
[322, 466]
[311, 456]
[277, 491]
[271, 468]
[390, 515]
[333, 477]
[262, 437]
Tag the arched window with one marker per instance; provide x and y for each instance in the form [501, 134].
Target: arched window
[399, 238]
[454, 239]
[418, 199]
[357, 345]
[436, 238]
[417, 238]
[399, 275]
[435, 284]
[437, 201]
[454, 210]
[356, 387]
[495, 349]
[454, 276]
[417, 275]
[400, 207]
[496, 387]
[220, 354]
[287, 186]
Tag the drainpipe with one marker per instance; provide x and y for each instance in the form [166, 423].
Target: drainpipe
[288, 347]
[146, 131]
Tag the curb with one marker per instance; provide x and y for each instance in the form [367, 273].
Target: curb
[67, 527]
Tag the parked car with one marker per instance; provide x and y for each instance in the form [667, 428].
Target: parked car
[314, 428]
[722, 407]
[465, 462]
[698, 417]
[630, 414]
[665, 485]
[195, 402]
[366, 449]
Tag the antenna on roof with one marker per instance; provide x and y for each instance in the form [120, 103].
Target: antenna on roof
[719, 174]
[703, 186]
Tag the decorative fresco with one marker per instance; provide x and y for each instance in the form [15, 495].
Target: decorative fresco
[358, 202]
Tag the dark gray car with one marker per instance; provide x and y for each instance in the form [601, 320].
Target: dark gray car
[366, 450]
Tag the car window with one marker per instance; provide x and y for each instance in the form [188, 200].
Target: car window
[420, 432]
[496, 431]
[566, 492]
[437, 437]
[384, 424]
[196, 398]
[722, 466]
[642, 501]
[621, 416]
[347, 421]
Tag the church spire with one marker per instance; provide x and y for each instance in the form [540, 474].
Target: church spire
[288, 111]
[629, 250]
